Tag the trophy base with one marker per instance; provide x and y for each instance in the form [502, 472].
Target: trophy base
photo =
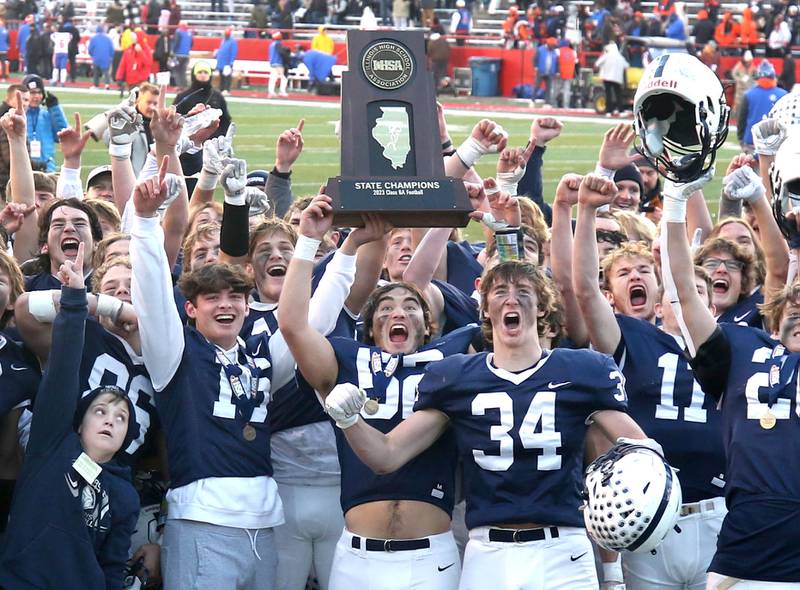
[404, 202]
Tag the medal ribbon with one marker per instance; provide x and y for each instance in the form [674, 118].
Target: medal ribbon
[245, 404]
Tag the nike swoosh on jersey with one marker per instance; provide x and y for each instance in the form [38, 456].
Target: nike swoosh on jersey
[72, 485]
[552, 385]
[572, 558]
[739, 318]
[441, 569]
[16, 368]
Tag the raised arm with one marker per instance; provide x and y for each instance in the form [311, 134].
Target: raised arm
[743, 183]
[604, 333]
[312, 351]
[160, 327]
[543, 130]
[279, 185]
[21, 177]
[59, 390]
[383, 453]
[561, 255]
[123, 124]
[695, 319]
[72, 142]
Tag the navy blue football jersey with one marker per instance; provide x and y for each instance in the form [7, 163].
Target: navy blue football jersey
[670, 406]
[392, 381]
[745, 312]
[760, 537]
[107, 360]
[294, 404]
[463, 266]
[521, 435]
[204, 425]
[19, 375]
[459, 309]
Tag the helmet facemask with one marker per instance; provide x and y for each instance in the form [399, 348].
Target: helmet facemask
[675, 136]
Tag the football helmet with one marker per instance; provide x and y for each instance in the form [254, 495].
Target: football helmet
[680, 116]
[785, 178]
[632, 499]
[787, 110]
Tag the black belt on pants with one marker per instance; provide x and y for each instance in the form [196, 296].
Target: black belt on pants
[390, 545]
[521, 535]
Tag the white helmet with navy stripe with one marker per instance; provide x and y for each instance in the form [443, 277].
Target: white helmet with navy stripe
[632, 499]
[680, 116]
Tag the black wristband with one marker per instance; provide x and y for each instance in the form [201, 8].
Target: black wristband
[284, 175]
[234, 235]
[447, 144]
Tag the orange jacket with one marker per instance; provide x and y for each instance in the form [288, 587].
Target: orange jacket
[731, 35]
[566, 63]
[748, 33]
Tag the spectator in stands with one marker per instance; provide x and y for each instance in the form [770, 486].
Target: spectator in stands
[181, 46]
[779, 38]
[546, 66]
[317, 11]
[567, 62]
[401, 11]
[509, 25]
[757, 102]
[153, 12]
[727, 32]
[748, 34]
[712, 7]
[258, 20]
[787, 77]
[101, 50]
[3, 50]
[282, 17]
[134, 67]
[226, 55]
[703, 29]
[174, 17]
[277, 63]
[710, 55]
[743, 74]
[5, 153]
[133, 16]
[665, 8]
[44, 123]
[461, 21]
[675, 28]
[115, 13]
[322, 42]
[611, 67]
[426, 7]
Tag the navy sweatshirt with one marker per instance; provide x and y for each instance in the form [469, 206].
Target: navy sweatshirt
[64, 532]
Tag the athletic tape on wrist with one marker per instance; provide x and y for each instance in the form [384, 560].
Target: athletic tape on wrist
[41, 306]
[470, 151]
[674, 210]
[306, 248]
[604, 172]
[207, 181]
[109, 307]
[612, 572]
[120, 150]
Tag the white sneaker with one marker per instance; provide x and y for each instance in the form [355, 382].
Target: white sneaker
[272, 95]
[92, 87]
[284, 95]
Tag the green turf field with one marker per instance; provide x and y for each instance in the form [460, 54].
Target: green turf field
[259, 123]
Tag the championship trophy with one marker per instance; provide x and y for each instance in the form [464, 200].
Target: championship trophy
[391, 157]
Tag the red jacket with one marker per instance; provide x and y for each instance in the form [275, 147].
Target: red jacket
[134, 67]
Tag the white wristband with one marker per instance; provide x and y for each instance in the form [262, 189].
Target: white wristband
[41, 306]
[120, 150]
[604, 172]
[306, 248]
[673, 210]
[612, 572]
[238, 199]
[507, 181]
[109, 307]
[470, 152]
[207, 181]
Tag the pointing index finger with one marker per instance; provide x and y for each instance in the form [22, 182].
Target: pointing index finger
[162, 170]
[300, 125]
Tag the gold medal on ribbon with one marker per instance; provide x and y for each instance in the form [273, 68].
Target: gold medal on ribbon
[249, 433]
[371, 406]
[768, 420]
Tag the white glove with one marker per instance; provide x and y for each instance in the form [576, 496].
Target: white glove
[676, 194]
[216, 152]
[744, 184]
[123, 125]
[768, 135]
[234, 181]
[175, 184]
[642, 442]
[344, 404]
[257, 200]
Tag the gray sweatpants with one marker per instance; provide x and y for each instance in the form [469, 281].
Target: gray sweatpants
[205, 556]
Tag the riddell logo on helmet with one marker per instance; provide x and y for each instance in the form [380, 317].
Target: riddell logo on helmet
[658, 83]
